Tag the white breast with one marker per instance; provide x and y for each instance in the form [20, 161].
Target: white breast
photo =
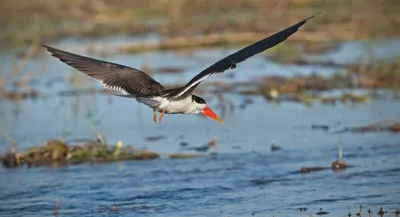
[185, 106]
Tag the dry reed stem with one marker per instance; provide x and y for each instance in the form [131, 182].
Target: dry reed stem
[9, 138]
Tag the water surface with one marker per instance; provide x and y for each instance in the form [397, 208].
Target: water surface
[244, 178]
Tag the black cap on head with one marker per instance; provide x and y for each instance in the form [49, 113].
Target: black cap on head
[198, 99]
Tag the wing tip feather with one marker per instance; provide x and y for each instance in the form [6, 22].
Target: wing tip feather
[313, 16]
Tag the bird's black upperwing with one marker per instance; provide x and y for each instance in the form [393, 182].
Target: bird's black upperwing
[230, 61]
[118, 79]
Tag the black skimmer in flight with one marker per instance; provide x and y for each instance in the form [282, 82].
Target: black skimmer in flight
[129, 82]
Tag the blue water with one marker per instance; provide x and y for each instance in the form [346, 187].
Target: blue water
[244, 178]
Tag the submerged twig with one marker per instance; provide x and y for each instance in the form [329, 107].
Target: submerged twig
[340, 148]
[55, 212]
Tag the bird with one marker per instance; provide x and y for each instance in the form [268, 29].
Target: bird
[126, 81]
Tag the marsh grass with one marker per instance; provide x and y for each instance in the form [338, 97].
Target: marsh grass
[15, 83]
[14, 148]
[12, 141]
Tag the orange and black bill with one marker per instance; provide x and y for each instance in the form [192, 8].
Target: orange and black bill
[207, 111]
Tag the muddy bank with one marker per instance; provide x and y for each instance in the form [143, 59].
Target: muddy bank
[341, 19]
[213, 40]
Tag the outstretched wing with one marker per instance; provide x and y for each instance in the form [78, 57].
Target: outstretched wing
[117, 79]
[230, 61]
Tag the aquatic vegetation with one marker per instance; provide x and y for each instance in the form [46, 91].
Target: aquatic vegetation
[381, 212]
[339, 165]
[275, 147]
[56, 152]
[312, 169]
[322, 212]
[385, 125]
[184, 156]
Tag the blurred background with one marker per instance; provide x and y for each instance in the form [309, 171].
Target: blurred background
[311, 125]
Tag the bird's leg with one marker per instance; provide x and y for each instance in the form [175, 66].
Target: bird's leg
[162, 115]
[155, 116]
